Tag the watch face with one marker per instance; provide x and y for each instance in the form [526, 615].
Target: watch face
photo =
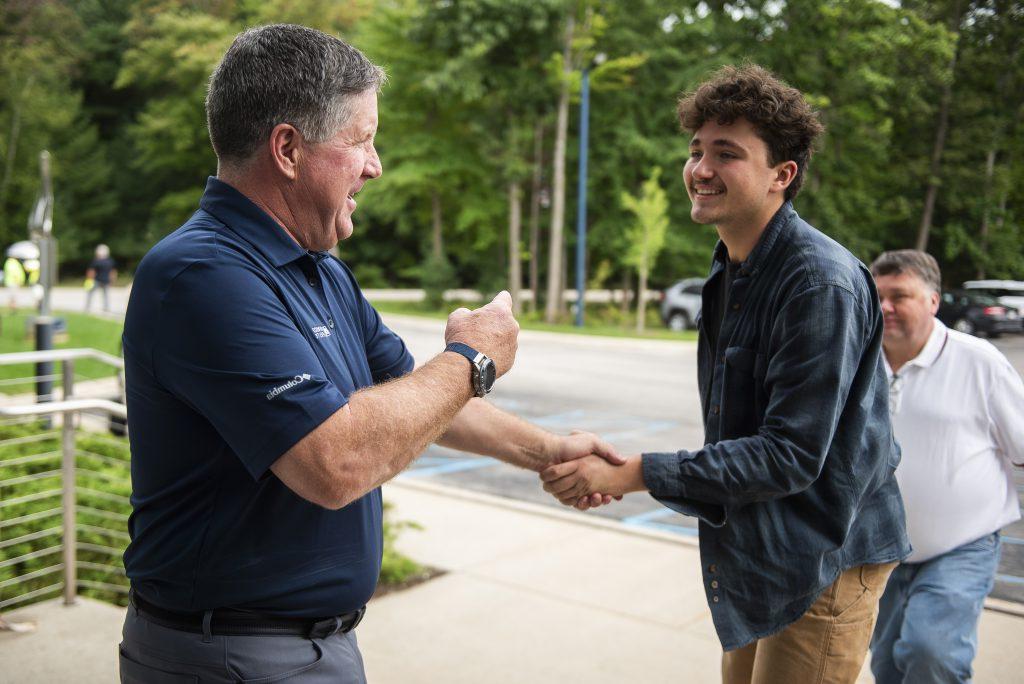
[488, 374]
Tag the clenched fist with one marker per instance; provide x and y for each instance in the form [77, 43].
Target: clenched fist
[491, 329]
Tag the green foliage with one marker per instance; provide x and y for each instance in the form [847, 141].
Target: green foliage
[436, 276]
[102, 481]
[114, 90]
[646, 235]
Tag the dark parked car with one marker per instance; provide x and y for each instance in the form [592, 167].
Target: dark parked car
[977, 314]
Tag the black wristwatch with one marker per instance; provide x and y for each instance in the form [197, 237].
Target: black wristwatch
[483, 372]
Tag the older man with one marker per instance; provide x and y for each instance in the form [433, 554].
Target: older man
[957, 410]
[268, 402]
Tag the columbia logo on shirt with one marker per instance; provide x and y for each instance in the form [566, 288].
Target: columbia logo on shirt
[297, 380]
[321, 331]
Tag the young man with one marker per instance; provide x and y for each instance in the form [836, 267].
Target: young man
[957, 410]
[800, 515]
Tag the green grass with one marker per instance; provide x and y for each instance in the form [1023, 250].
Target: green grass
[82, 331]
[602, 320]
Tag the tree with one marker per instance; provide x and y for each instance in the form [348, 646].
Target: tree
[646, 235]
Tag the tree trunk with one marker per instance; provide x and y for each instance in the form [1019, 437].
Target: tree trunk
[437, 241]
[515, 273]
[641, 290]
[924, 230]
[554, 304]
[624, 303]
[990, 169]
[990, 164]
[12, 144]
[535, 190]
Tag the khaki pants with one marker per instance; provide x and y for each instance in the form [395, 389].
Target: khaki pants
[827, 644]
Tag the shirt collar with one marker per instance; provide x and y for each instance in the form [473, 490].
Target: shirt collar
[241, 215]
[929, 353]
[755, 260]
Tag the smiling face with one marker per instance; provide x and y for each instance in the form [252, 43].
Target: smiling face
[908, 310]
[329, 174]
[729, 179]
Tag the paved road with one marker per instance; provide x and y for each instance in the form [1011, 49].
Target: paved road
[641, 395]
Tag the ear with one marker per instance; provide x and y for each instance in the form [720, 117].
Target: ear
[784, 175]
[933, 302]
[285, 146]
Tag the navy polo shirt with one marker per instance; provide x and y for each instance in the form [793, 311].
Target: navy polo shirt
[237, 344]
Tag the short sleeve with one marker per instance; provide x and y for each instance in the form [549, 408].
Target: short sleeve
[227, 346]
[385, 351]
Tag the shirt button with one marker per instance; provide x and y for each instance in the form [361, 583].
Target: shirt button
[722, 358]
[715, 599]
[736, 306]
[714, 410]
[312, 282]
[712, 569]
[714, 584]
[330, 322]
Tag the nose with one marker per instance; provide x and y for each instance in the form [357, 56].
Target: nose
[887, 307]
[701, 168]
[373, 168]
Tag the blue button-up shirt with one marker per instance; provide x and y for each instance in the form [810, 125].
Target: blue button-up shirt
[795, 482]
[237, 344]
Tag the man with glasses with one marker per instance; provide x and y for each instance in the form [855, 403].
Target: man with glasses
[957, 407]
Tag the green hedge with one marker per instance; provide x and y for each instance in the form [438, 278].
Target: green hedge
[102, 472]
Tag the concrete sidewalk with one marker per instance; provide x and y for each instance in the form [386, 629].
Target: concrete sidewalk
[536, 595]
[530, 594]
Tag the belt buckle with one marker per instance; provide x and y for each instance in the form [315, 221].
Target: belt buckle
[322, 629]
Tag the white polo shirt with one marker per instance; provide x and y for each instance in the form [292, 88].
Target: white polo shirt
[958, 413]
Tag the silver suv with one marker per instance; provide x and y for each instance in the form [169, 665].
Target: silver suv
[680, 304]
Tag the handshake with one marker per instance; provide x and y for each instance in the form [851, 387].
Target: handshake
[585, 471]
[579, 469]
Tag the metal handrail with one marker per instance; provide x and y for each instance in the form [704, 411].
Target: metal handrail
[60, 355]
[68, 407]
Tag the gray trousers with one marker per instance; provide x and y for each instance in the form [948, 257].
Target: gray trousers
[151, 654]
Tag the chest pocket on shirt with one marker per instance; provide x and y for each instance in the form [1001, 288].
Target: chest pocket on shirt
[744, 399]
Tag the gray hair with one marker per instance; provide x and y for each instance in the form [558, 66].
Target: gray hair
[283, 73]
[921, 264]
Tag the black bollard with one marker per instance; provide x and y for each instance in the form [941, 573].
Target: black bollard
[44, 369]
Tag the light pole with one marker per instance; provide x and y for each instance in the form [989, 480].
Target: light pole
[581, 192]
[40, 229]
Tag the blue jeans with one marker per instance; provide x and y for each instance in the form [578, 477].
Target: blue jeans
[927, 629]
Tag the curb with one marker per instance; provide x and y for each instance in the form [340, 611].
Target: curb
[576, 518]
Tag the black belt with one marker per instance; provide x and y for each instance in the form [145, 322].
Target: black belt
[232, 622]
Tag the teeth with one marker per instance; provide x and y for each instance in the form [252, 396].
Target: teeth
[704, 191]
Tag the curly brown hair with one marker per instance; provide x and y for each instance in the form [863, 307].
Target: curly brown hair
[779, 113]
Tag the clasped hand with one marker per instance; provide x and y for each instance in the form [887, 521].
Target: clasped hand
[582, 473]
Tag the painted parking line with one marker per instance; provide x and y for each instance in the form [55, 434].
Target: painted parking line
[643, 518]
[1010, 579]
[451, 466]
[664, 527]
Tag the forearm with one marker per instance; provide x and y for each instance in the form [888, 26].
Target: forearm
[394, 422]
[483, 429]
